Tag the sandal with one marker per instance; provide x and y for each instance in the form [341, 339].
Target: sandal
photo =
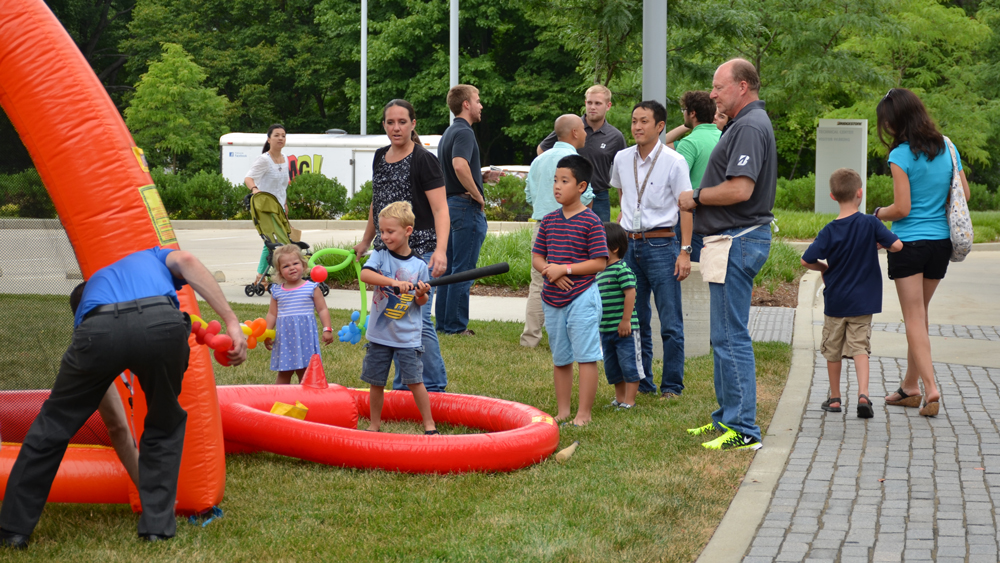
[431, 432]
[830, 401]
[930, 409]
[905, 400]
[865, 409]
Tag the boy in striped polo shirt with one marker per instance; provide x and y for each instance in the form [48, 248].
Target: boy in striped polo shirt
[619, 323]
[570, 249]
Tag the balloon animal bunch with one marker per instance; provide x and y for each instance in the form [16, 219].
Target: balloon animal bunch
[207, 333]
[352, 332]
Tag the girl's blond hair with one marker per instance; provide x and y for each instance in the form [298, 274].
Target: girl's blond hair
[401, 211]
[282, 251]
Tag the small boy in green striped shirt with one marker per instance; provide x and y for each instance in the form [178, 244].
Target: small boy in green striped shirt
[619, 324]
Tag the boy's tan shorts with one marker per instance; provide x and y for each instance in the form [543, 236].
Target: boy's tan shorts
[846, 337]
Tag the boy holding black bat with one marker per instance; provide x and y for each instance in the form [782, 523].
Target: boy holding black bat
[394, 325]
[570, 249]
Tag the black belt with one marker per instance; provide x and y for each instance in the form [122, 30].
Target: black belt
[126, 306]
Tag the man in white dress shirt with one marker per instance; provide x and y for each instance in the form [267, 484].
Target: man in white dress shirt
[650, 177]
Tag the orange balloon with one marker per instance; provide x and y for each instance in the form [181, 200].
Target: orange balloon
[259, 326]
[251, 343]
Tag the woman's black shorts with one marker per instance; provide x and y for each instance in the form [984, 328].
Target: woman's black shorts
[927, 257]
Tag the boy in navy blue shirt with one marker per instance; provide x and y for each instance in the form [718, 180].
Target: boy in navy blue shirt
[853, 282]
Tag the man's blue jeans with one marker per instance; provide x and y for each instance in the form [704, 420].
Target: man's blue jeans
[468, 231]
[435, 375]
[652, 261]
[735, 367]
[602, 205]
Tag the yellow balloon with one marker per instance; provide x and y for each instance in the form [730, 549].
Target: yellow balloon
[198, 320]
[246, 330]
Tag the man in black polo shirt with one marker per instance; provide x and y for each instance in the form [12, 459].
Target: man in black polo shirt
[603, 143]
[733, 206]
[458, 152]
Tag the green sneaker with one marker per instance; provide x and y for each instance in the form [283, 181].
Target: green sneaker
[708, 428]
[733, 440]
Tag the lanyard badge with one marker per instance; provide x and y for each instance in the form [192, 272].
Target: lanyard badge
[641, 188]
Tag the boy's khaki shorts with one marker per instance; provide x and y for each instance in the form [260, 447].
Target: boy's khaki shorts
[846, 337]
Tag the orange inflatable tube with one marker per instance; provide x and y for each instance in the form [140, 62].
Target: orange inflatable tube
[106, 200]
[517, 435]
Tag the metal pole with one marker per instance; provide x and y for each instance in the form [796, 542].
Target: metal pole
[364, 67]
[654, 52]
[453, 51]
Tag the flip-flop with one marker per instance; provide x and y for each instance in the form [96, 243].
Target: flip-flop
[571, 424]
[865, 409]
[905, 400]
[831, 400]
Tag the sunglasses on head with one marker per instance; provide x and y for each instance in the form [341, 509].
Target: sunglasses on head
[888, 95]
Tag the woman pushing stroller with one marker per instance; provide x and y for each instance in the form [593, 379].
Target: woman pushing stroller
[269, 173]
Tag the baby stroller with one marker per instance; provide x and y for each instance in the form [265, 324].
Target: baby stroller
[272, 224]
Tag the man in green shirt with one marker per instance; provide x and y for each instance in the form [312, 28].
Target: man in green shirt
[699, 112]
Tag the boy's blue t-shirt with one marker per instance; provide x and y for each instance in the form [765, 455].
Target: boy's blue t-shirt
[395, 319]
[854, 278]
[140, 274]
[929, 184]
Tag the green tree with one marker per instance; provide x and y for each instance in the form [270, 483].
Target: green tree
[173, 117]
[268, 58]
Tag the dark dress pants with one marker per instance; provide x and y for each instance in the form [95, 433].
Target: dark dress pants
[153, 345]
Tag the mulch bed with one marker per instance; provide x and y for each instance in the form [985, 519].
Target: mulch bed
[785, 295]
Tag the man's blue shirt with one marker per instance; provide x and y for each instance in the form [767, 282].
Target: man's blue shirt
[138, 275]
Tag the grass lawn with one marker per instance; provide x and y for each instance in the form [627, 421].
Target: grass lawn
[637, 489]
[802, 225]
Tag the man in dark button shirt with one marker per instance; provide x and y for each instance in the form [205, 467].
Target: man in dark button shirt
[603, 143]
[458, 152]
[735, 201]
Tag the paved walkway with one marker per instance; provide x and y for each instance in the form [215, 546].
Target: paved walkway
[898, 487]
[771, 324]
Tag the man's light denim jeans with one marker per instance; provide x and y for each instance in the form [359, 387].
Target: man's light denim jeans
[735, 366]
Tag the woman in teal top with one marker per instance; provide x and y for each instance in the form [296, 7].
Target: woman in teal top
[921, 166]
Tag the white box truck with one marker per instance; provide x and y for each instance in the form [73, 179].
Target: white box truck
[348, 158]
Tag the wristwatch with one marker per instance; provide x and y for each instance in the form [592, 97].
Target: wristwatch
[687, 249]
[696, 196]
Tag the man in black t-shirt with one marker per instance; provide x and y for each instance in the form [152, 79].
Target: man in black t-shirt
[603, 143]
[734, 203]
[458, 152]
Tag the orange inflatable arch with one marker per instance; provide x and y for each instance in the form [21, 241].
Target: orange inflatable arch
[106, 200]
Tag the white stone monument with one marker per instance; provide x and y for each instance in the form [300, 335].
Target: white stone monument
[840, 143]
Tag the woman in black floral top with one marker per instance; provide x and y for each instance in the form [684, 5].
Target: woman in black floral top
[406, 171]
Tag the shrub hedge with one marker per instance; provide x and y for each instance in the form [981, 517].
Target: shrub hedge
[23, 195]
[798, 194]
[314, 196]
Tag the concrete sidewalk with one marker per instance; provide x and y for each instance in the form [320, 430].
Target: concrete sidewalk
[898, 487]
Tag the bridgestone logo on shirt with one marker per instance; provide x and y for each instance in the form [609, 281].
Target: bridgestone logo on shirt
[744, 159]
